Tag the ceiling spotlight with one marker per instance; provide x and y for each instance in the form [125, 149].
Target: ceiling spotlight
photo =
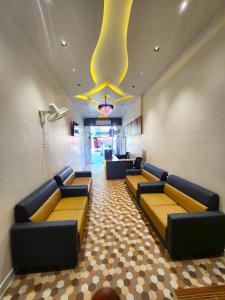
[63, 43]
[156, 49]
[79, 84]
[183, 6]
[141, 73]
[74, 69]
[133, 86]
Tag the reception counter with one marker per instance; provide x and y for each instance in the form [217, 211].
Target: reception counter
[115, 168]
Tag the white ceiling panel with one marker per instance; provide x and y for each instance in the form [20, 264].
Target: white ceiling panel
[78, 22]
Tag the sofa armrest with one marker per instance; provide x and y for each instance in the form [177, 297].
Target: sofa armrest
[195, 234]
[133, 172]
[74, 191]
[39, 245]
[150, 187]
[83, 174]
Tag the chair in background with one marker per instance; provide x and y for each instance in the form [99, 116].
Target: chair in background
[123, 156]
[137, 163]
[127, 155]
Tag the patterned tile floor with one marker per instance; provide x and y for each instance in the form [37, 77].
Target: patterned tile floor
[119, 250]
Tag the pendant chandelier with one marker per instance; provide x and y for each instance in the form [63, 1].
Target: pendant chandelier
[105, 109]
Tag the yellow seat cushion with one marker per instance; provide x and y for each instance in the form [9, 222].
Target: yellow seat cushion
[150, 177]
[44, 211]
[63, 215]
[133, 180]
[72, 203]
[69, 179]
[156, 199]
[158, 215]
[188, 203]
[82, 180]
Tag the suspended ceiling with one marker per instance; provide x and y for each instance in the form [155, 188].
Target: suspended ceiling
[78, 22]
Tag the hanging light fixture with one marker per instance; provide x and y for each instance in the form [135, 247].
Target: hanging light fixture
[105, 109]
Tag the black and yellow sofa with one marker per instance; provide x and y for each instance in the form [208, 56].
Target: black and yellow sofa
[68, 177]
[185, 216]
[149, 174]
[49, 227]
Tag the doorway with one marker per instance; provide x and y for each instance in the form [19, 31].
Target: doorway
[103, 138]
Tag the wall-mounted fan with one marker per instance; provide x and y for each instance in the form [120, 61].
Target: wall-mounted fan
[54, 113]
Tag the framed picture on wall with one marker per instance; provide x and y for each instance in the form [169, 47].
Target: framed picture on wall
[133, 128]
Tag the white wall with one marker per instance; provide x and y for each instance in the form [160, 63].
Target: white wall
[184, 114]
[26, 85]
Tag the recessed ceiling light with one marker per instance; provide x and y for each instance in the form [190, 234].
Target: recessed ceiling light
[79, 84]
[183, 6]
[74, 69]
[63, 43]
[141, 73]
[156, 49]
[133, 86]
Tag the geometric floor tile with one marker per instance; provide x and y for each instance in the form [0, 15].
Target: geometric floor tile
[119, 250]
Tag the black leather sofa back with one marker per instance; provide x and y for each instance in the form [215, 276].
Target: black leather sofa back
[206, 197]
[161, 174]
[27, 207]
[63, 175]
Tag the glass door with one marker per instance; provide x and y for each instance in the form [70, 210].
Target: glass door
[102, 138]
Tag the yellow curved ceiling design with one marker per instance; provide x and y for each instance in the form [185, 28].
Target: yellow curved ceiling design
[110, 58]
[109, 63]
